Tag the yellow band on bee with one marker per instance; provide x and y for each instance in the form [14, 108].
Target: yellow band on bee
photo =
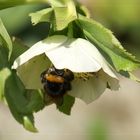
[55, 78]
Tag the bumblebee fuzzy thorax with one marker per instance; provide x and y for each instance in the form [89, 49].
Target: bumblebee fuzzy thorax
[56, 82]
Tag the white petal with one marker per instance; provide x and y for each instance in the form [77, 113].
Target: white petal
[39, 48]
[29, 72]
[78, 55]
[88, 90]
[92, 51]
[112, 82]
[91, 89]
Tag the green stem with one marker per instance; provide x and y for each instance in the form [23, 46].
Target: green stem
[70, 31]
[11, 3]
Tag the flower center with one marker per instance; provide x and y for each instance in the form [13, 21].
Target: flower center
[85, 76]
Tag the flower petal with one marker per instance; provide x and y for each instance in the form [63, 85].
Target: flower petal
[39, 48]
[77, 55]
[111, 82]
[92, 88]
[88, 90]
[29, 72]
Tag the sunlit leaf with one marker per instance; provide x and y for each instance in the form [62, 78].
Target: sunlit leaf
[133, 77]
[130, 75]
[28, 124]
[60, 15]
[4, 74]
[64, 15]
[83, 10]
[58, 3]
[44, 15]
[5, 40]
[11, 3]
[5, 52]
[108, 44]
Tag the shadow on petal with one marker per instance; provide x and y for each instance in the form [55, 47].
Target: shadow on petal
[88, 90]
[30, 72]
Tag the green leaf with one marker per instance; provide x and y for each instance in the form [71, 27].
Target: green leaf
[5, 52]
[68, 102]
[10, 3]
[20, 106]
[18, 49]
[60, 15]
[5, 40]
[109, 46]
[35, 100]
[4, 74]
[15, 93]
[3, 57]
[81, 9]
[130, 76]
[44, 15]
[28, 124]
[64, 15]
[24, 101]
[20, 21]
[27, 120]
[59, 3]
[133, 77]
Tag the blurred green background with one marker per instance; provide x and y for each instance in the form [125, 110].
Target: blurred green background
[113, 116]
[122, 17]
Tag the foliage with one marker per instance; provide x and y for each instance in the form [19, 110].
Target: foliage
[65, 18]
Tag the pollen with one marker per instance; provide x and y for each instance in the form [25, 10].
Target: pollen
[84, 76]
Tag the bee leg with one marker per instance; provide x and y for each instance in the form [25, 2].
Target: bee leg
[47, 99]
[42, 77]
[59, 101]
[67, 86]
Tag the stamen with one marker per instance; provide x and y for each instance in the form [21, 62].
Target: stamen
[84, 76]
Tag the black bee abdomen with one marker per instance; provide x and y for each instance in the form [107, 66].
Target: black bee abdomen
[54, 89]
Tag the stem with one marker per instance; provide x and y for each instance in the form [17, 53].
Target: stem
[70, 30]
[11, 3]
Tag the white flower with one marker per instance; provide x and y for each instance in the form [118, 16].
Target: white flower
[77, 55]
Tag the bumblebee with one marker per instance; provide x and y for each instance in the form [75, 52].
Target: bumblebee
[56, 82]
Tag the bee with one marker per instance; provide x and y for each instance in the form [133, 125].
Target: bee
[56, 82]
